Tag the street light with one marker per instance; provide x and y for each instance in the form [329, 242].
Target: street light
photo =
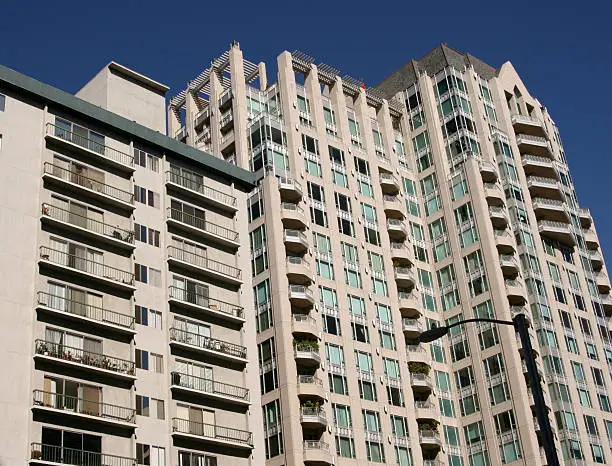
[519, 322]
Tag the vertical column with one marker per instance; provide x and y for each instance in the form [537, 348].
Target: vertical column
[239, 105]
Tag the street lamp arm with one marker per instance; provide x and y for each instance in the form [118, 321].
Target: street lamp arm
[493, 321]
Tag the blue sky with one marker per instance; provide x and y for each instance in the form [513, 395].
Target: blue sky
[561, 50]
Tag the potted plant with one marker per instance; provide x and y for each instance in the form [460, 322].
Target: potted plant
[418, 368]
[430, 424]
[36, 454]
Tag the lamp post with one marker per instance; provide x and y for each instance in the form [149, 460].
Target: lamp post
[519, 322]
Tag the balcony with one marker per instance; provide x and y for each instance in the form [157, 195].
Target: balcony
[226, 121]
[559, 231]
[389, 183]
[401, 254]
[307, 354]
[425, 410]
[295, 241]
[89, 228]
[290, 190]
[515, 293]
[84, 313]
[606, 302]
[313, 417]
[299, 271]
[202, 388]
[494, 194]
[488, 171]
[596, 260]
[202, 228]
[301, 296]
[509, 265]
[91, 411]
[550, 209]
[409, 304]
[544, 187]
[197, 190]
[416, 353]
[412, 328]
[498, 216]
[89, 148]
[202, 265]
[57, 455]
[591, 240]
[535, 145]
[212, 434]
[73, 181]
[293, 216]
[430, 439]
[203, 116]
[404, 277]
[538, 166]
[526, 124]
[397, 229]
[305, 325]
[204, 304]
[393, 207]
[421, 382]
[505, 242]
[226, 99]
[207, 346]
[585, 218]
[181, 134]
[603, 282]
[71, 264]
[310, 386]
[85, 361]
[316, 453]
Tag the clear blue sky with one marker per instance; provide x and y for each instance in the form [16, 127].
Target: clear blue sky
[561, 50]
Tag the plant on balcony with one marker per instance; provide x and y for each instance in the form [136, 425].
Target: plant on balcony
[312, 343]
[36, 454]
[418, 368]
[430, 424]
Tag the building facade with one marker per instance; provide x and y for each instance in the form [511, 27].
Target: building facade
[124, 300]
[441, 194]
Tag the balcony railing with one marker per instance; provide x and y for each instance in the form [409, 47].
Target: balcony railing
[393, 222]
[296, 260]
[86, 358]
[212, 431]
[205, 301]
[290, 206]
[309, 379]
[210, 386]
[89, 224]
[75, 177]
[300, 289]
[70, 456]
[81, 309]
[85, 265]
[533, 139]
[310, 412]
[204, 225]
[204, 262]
[295, 234]
[89, 144]
[207, 343]
[316, 445]
[199, 187]
[83, 406]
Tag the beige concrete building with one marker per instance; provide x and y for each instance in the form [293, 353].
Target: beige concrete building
[440, 194]
[124, 299]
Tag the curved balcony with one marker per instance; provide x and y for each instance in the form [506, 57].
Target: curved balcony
[43, 454]
[404, 277]
[505, 242]
[307, 354]
[603, 282]
[596, 260]
[316, 453]
[536, 145]
[305, 325]
[401, 254]
[295, 241]
[197, 190]
[67, 139]
[416, 353]
[293, 216]
[494, 194]
[498, 216]
[591, 240]
[550, 209]
[412, 328]
[397, 229]
[509, 265]
[389, 183]
[430, 439]
[421, 382]
[200, 227]
[205, 304]
[544, 187]
[310, 386]
[559, 231]
[202, 265]
[299, 271]
[71, 264]
[313, 417]
[515, 293]
[290, 189]
[301, 296]
[585, 218]
[409, 304]
[538, 166]
[212, 434]
[393, 206]
[82, 186]
[526, 124]
[199, 387]
[606, 302]
[207, 346]
[84, 313]
[425, 410]
[85, 361]
[488, 171]
[91, 411]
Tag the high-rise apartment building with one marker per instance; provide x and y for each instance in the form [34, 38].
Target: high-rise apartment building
[441, 194]
[124, 298]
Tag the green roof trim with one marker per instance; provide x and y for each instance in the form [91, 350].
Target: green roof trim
[53, 96]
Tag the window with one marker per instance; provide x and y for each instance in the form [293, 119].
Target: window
[342, 415]
[148, 317]
[259, 250]
[147, 235]
[338, 384]
[331, 324]
[255, 206]
[268, 378]
[148, 275]
[325, 268]
[146, 196]
[150, 407]
[367, 390]
[272, 429]
[375, 452]
[334, 355]
[145, 160]
[189, 458]
[263, 308]
[345, 447]
[152, 455]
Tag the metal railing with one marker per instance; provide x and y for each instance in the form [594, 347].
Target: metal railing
[530, 138]
[497, 210]
[205, 301]
[418, 377]
[86, 358]
[204, 262]
[296, 260]
[89, 224]
[316, 445]
[212, 431]
[536, 159]
[389, 198]
[429, 435]
[307, 411]
[211, 386]
[508, 258]
[525, 119]
[424, 405]
[84, 406]
[394, 222]
[75, 177]
[291, 207]
[389, 177]
[407, 271]
[70, 456]
[309, 379]
[89, 144]
[552, 224]
[304, 318]
[289, 183]
[79, 308]
[297, 234]
[207, 343]
[542, 179]
[199, 187]
[86, 265]
[547, 202]
[300, 289]
[306, 348]
[202, 224]
[406, 295]
[407, 322]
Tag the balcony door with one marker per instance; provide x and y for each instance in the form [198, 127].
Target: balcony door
[201, 421]
[190, 291]
[195, 376]
[72, 396]
[66, 447]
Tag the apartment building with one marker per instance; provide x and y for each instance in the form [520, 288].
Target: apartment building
[441, 194]
[124, 297]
